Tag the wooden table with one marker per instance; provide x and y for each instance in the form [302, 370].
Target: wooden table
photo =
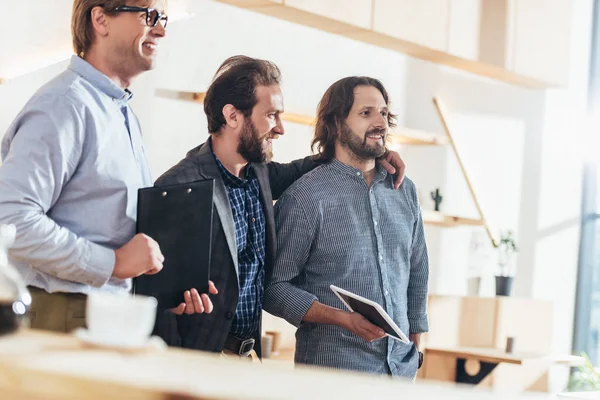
[452, 363]
[35, 365]
[579, 396]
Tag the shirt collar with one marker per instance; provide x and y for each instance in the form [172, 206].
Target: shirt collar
[100, 81]
[380, 173]
[228, 178]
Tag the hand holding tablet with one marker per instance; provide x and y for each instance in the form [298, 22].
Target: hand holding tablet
[372, 311]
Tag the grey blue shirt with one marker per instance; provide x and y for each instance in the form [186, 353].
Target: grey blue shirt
[73, 161]
[332, 228]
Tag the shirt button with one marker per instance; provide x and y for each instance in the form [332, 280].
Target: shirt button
[358, 174]
[375, 222]
[259, 249]
[253, 219]
[380, 258]
[386, 292]
[228, 315]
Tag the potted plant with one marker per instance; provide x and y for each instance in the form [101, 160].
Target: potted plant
[506, 250]
[585, 378]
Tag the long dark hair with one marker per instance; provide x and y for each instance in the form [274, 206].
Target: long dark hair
[235, 83]
[333, 110]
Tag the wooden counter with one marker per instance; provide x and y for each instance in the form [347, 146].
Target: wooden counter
[499, 356]
[36, 365]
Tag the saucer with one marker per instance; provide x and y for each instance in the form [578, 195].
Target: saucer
[153, 342]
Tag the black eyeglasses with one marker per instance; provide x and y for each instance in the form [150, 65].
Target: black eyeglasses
[152, 15]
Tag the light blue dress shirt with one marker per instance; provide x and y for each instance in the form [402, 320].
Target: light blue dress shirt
[73, 161]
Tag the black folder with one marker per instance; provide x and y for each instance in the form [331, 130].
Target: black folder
[179, 217]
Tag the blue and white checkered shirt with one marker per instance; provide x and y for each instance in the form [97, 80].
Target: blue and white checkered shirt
[332, 228]
[249, 219]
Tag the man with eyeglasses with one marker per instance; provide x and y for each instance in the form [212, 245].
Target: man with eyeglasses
[73, 161]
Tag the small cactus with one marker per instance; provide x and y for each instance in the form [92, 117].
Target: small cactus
[437, 198]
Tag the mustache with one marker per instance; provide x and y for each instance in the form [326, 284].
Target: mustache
[378, 131]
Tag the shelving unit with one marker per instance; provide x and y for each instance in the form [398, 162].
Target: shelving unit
[360, 28]
[436, 218]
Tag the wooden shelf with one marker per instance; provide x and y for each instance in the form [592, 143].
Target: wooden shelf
[399, 135]
[403, 136]
[370, 36]
[436, 218]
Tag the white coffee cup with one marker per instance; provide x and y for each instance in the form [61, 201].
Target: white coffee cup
[120, 319]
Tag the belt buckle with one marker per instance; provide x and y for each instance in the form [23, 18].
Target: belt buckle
[246, 347]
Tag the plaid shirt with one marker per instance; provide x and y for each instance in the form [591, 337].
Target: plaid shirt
[249, 219]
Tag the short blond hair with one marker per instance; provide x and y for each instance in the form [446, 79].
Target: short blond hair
[81, 22]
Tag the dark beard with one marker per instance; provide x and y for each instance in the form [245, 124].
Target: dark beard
[250, 146]
[361, 150]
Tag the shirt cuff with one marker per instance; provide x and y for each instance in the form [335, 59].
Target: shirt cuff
[99, 265]
[298, 306]
[418, 324]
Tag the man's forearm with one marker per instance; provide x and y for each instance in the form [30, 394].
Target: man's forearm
[282, 176]
[56, 251]
[319, 313]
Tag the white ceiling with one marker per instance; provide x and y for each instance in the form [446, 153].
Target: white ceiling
[37, 33]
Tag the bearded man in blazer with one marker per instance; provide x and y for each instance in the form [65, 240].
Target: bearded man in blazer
[243, 106]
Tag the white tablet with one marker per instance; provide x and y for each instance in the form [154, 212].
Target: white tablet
[371, 311]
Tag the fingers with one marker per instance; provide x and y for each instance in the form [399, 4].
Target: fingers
[397, 164]
[189, 303]
[369, 331]
[394, 165]
[179, 309]
[155, 251]
[212, 289]
[198, 307]
[155, 269]
[400, 176]
[387, 166]
[207, 304]
[374, 332]
[196, 303]
[156, 258]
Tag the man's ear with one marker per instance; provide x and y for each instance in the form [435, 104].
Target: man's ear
[99, 21]
[233, 118]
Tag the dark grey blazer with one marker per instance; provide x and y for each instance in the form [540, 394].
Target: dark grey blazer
[209, 331]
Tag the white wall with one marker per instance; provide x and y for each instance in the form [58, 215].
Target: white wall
[490, 134]
[516, 143]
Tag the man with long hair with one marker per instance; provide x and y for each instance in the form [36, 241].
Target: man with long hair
[344, 224]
